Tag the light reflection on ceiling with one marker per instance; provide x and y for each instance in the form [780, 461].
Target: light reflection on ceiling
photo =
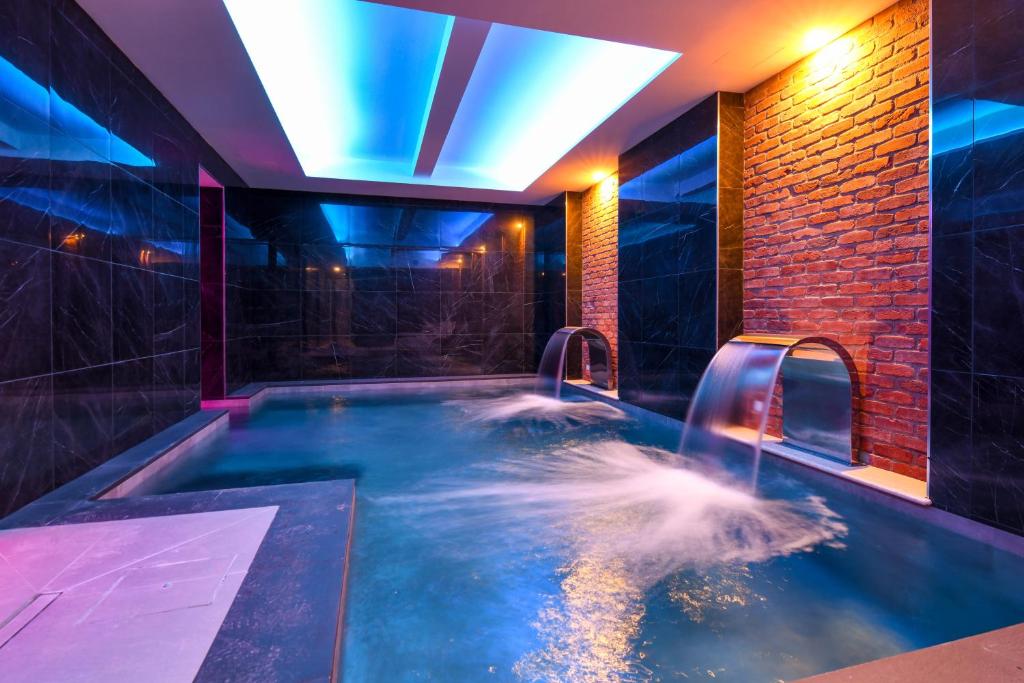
[353, 85]
[356, 226]
[25, 135]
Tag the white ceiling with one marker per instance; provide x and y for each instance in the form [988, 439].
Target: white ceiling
[190, 51]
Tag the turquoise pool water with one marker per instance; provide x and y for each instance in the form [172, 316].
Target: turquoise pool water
[500, 537]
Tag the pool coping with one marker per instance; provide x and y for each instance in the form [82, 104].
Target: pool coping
[252, 395]
[830, 477]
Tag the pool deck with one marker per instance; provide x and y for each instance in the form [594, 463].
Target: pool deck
[285, 621]
[993, 656]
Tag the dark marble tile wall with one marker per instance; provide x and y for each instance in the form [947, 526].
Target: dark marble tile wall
[680, 253]
[337, 287]
[547, 307]
[574, 281]
[99, 251]
[976, 465]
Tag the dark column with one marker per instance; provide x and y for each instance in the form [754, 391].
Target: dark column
[211, 267]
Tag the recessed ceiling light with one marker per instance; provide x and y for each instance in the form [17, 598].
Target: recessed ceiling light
[353, 84]
[533, 96]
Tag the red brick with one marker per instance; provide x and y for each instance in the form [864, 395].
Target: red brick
[844, 230]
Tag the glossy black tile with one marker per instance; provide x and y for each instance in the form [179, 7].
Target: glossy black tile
[373, 356]
[462, 354]
[503, 313]
[131, 220]
[419, 355]
[631, 311]
[374, 313]
[82, 420]
[998, 301]
[26, 451]
[326, 357]
[419, 312]
[1001, 22]
[25, 320]
[697, 311]
[660, 309]
[462, 313]
[132, 313]
[168, 397]
[975, 467]
[997, 491]
[952, 305]
[25, 177]
[168, 314]
[79, 86]
[950, 460]
[998, 155]
[502, 353]
[81, 309]
[79, 200]
[132, 403]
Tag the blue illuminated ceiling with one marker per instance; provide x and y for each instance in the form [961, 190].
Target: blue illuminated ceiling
[353, 85]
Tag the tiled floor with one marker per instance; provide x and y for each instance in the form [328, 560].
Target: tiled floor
[132, 600]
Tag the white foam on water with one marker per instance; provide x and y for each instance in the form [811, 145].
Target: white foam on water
[648, 508]
[537, 410]
[618, 519]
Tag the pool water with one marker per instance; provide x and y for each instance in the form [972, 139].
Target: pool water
[501, 537]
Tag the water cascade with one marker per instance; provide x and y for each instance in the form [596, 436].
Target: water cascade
[551, 370]
[729, 411]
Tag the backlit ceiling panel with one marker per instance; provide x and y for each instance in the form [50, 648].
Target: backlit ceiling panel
[353, 84]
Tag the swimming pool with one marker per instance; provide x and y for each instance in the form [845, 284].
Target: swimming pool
[502, 536]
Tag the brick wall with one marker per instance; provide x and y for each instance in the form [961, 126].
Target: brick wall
[836, 217]
[601, 261]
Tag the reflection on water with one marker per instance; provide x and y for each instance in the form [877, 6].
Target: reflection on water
[588, 631]
[702, 595]
[619, 519]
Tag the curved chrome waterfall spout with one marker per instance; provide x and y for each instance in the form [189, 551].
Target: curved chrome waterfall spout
[551, 370]
[729, 411]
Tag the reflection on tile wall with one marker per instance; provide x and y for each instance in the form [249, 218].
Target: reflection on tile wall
[669, 260]
[977, 366]
[547, 306]
[335, 287]
[99, 251]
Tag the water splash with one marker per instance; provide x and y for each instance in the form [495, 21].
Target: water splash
[537, 411]
[618, 519]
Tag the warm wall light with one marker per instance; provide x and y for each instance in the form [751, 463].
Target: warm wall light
[606, 189]
[836, 55]
[336, 269]
[598, 176]
[817, 38]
